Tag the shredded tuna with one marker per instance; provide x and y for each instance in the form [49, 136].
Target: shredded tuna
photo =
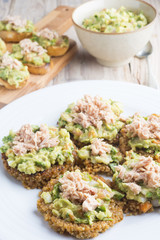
[48, 34]
[28, 46]
[145, 170]
[134, 188]
[15, 20]
[26, 140]
[74, 188]
[8, 61]
[99, 147]
[92, 111]
[145, 129]
[121, 171]
[90, 204]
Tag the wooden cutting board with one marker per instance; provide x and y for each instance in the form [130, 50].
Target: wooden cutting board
[59, 20]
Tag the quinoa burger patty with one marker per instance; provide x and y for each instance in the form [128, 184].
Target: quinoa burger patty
[142, 135]
[37, 180]
[84, 216]
[139, 179]
[99, 157]
[34, 155]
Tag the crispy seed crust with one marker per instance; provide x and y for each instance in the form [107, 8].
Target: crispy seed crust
[132, 207]
[77, 230]
[123, 141]
[95, 168]
[39, 179]
[80, 230]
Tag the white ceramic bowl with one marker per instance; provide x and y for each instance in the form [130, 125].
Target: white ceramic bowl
[113, 49]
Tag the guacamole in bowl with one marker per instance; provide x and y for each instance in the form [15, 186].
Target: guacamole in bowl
[115, 21]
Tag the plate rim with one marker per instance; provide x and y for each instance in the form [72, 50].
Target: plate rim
[135, 85]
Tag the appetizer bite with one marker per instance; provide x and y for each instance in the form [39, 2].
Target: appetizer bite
[139, 179]
[14, 29]
[79, 204]
[32, 55]
[99, 157]
[92, 117]
[35, 154]
[115, 21]
[3, 47]
[50, 40]
[13, 75]
[142, 134]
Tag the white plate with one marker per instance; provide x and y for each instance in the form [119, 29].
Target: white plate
[19, 219]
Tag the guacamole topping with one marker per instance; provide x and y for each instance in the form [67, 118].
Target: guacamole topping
[47, 34]
[34, 149]
[100, 152]
[92, 117]
[2, 47]
[144, 132]
[30, 52]
[15, 23]
[47, 38]
[115, 21]
[80, 198]
[139, 178]
[12, 70]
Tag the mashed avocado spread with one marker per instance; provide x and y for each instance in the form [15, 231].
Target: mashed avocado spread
[83, 134]
[115, 21]
[36, 161]
[5, 26]
[150, 145]
[13, 76]
[61, 41]
[112, 157]
[31, 58]
[12, 70]
[73, 212]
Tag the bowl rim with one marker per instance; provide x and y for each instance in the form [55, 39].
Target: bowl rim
[115, 33]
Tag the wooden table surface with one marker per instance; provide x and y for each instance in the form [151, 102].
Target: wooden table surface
[83, 66]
